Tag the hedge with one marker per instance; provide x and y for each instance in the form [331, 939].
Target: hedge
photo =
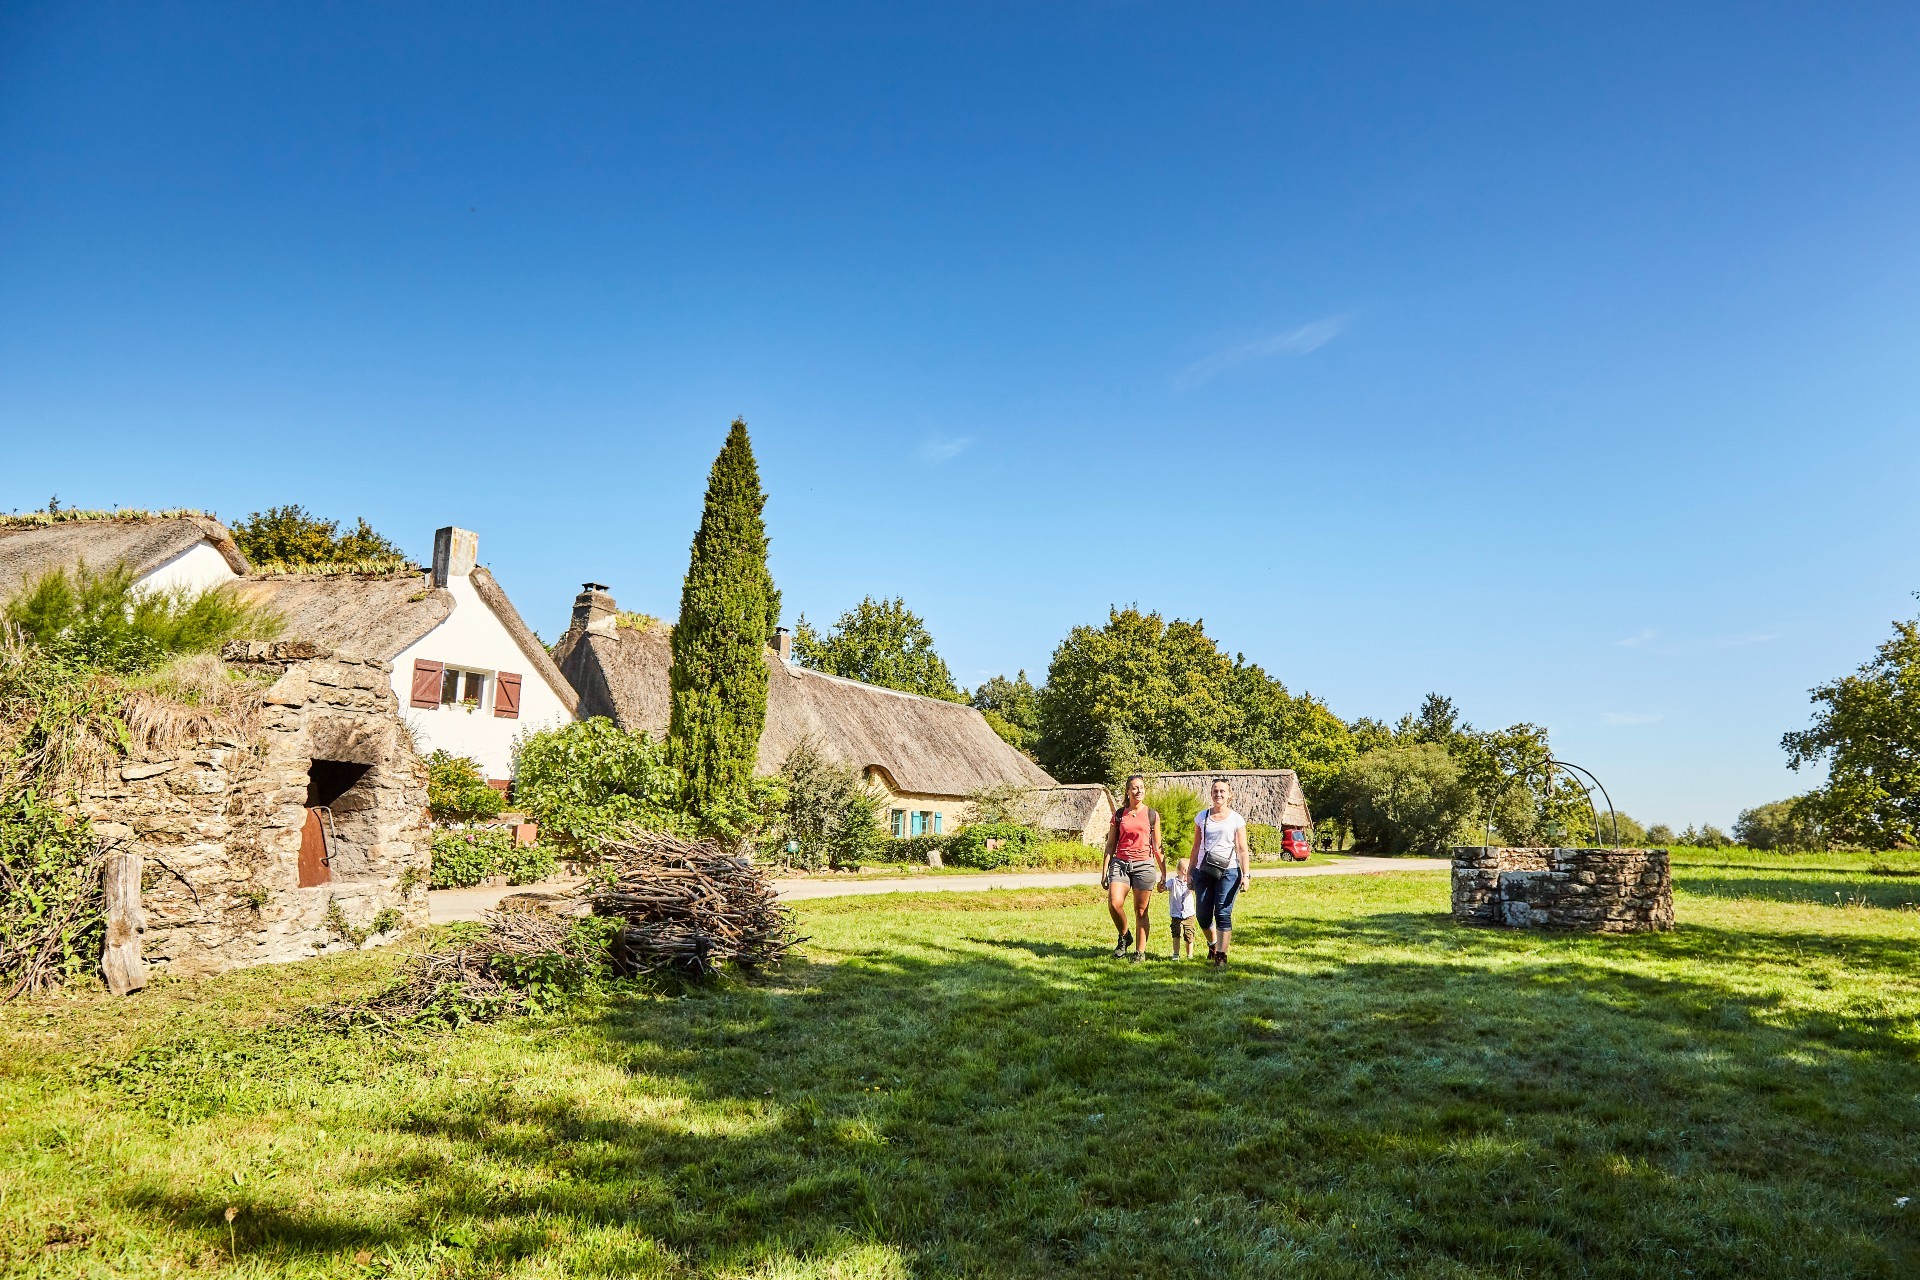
[462, 859]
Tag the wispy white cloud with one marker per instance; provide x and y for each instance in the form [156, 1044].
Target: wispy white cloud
[1289, 342]
[1628, 717]
[1635, 641]
[938, 449]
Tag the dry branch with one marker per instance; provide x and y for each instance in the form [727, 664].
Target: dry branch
[689, 905]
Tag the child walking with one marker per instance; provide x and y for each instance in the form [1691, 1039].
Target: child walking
[1181, 907]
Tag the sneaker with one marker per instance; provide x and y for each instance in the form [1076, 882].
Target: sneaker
[1128, 940]
[1135, 958]
[1219, 959]
[1122, 945]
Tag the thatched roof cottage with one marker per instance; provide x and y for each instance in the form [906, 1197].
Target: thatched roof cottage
[1075, 811]
[1272, 796]
[927, 756]
[469, 673]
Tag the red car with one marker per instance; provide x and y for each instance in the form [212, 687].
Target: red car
[1295, 844]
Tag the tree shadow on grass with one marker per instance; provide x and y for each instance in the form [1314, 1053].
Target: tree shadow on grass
[1495, 1103]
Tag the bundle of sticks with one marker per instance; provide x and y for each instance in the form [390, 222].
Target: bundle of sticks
[689, 905]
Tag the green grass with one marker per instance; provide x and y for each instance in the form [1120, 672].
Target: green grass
[964, 1084]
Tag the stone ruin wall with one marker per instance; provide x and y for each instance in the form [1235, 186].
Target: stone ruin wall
[1591, 890]
[218, 822]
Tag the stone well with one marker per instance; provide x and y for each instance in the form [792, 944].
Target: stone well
[1591, 890]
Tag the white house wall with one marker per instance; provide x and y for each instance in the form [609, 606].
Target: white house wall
[198, 567]
[472, 638]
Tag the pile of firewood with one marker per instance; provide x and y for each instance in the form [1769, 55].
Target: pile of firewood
[689, 905]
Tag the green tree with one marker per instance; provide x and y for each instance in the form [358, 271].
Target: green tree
[1866, 728]
[828, 811]
[1789, 826]
[1012, 707]
[728, 610]
[881, 642]
[293, 537]
[1406, 799]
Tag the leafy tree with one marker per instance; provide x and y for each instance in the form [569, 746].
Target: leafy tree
[1867, 730]
[100, 620]
[1406, 799]
[728, 610]
[291, 536]
[1703, 837]
[1012, 707]
[1142, 694]
[829, 812]
[881, 642]
[588, 781]
[1660, 836]
[1178, 808]
[1789, 826]
[456, 791]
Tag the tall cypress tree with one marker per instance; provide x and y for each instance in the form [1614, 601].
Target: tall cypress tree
[728, 610]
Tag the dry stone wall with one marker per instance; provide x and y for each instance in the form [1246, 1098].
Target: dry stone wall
[218, 821]
[1593, 890]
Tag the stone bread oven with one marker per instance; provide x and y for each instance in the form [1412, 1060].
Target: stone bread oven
[307, 835]
[1591, 890]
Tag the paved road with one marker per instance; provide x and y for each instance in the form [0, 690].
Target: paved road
[471, 904]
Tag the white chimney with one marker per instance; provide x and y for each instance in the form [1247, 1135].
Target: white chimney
[455, 552]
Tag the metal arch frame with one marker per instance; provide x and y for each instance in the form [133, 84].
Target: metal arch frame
[1551, 764]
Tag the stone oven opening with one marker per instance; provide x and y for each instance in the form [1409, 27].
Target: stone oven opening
[341, 825]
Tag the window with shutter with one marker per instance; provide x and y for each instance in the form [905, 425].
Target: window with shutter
[426, 682]
[506, 695]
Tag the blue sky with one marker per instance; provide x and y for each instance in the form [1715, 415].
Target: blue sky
[1563, 359]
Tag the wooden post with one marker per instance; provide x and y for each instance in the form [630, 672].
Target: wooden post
[126, 971]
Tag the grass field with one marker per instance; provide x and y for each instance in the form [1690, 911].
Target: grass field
[966, 1085]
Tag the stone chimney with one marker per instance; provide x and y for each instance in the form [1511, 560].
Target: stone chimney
[455, 552]
[593, 610]
[783, 644]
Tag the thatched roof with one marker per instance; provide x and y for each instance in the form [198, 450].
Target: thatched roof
[369, 617]
[922, 745]
[1071, 806]
[538, 659]
[142, 542]
[1272, 796]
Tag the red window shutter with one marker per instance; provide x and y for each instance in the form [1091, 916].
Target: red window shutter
[506, 696]
[426, 682]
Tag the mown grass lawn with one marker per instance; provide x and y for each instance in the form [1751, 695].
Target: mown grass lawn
[967, 1085]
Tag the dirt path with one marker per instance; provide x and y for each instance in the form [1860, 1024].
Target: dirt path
[471, 904]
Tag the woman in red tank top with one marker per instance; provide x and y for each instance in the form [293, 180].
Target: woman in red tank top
[1134, 861]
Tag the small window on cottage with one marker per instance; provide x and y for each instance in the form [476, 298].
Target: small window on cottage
[928, 821]
[897, 822]
[919, 825]
[463, 688]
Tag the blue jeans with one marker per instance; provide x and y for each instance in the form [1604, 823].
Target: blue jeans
[1213, 893]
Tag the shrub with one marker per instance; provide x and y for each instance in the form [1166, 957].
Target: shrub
[525, 864]
[831, 817]
[456, 792]
[587, 781]
[912, 849]
[1064, 855]
[1007, 803]
[1264, 840]
[462, 859]
[969, 847]
[1788, 826]
[99, 620]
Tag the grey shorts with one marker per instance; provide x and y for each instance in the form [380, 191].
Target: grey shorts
[1142, 875]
